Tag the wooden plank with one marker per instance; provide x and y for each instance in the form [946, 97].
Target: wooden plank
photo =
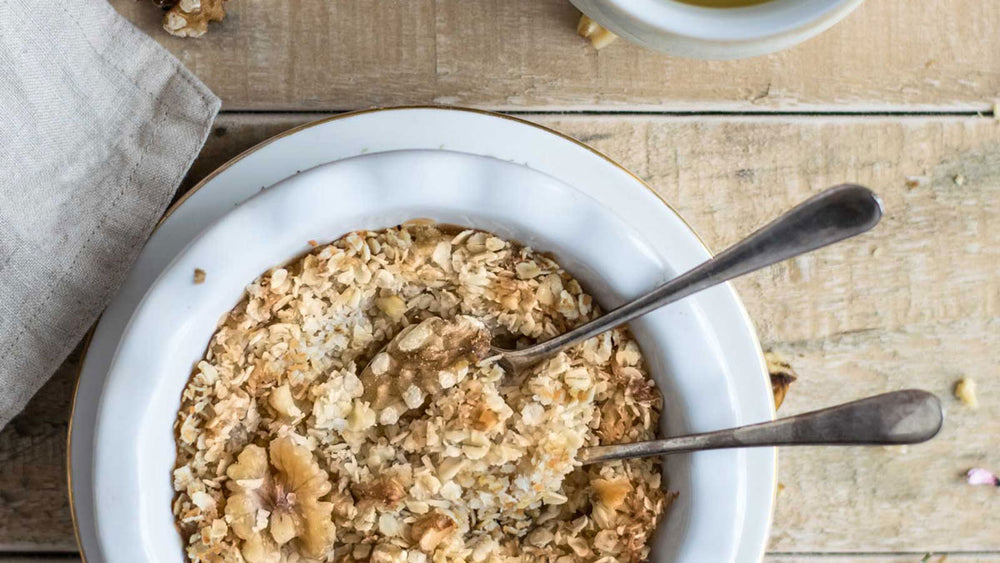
[524, 54]
[900, 498]
[34, 507]
[914, 304]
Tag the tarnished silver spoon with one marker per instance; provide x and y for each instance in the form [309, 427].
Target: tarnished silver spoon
[832, 215]
[901, 417]
[417, 355]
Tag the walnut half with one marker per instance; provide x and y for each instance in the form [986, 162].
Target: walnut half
[274, 503]
[965, 391]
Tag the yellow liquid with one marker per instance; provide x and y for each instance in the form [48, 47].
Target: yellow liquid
[723, 3]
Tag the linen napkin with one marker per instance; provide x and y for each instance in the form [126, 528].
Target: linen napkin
[98, 125]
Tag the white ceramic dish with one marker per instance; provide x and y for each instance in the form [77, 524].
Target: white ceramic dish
[717, 33]
[703, 351]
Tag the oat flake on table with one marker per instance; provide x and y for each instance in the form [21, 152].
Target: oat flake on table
[279, 459]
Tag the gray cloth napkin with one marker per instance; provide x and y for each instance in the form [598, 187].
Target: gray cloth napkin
[98, 125]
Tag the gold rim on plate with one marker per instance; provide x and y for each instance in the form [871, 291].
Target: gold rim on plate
[170, 210]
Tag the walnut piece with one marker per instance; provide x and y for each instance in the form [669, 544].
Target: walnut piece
[611, 493]
[599, 36]
[782, 375]
[417, 357]
[431, 530]
[965, 391]
[383, 491]
[274, 503]
[189, 18]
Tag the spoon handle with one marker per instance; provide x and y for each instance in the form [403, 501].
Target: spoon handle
[900, 417]
[833, 215]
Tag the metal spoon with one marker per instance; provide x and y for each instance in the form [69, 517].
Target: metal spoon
[833, 215]
[901, 417]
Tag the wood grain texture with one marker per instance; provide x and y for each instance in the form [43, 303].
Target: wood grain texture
[916, 303]
[524, 54]
[34, 506]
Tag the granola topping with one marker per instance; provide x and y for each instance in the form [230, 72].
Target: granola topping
[348, 410]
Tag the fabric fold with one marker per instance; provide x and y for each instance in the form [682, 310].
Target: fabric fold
[98, 126]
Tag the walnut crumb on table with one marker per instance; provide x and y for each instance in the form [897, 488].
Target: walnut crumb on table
[599, 36]
[965, 391]
[190, 18]
[782, 375]
[199, 276]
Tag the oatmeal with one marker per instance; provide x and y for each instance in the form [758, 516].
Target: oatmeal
[349, 410]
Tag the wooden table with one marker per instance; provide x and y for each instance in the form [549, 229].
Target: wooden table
[898, 97]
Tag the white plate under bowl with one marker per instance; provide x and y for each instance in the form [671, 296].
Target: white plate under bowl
[605, 226]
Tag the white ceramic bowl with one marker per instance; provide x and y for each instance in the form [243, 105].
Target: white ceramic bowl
[616, 236]
[717, 33]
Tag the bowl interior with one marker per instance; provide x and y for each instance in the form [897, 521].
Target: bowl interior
[684, 344]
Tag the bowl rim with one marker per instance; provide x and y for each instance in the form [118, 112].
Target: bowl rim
[346, 115]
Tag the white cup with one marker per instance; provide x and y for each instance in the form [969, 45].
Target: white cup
[716, 33]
